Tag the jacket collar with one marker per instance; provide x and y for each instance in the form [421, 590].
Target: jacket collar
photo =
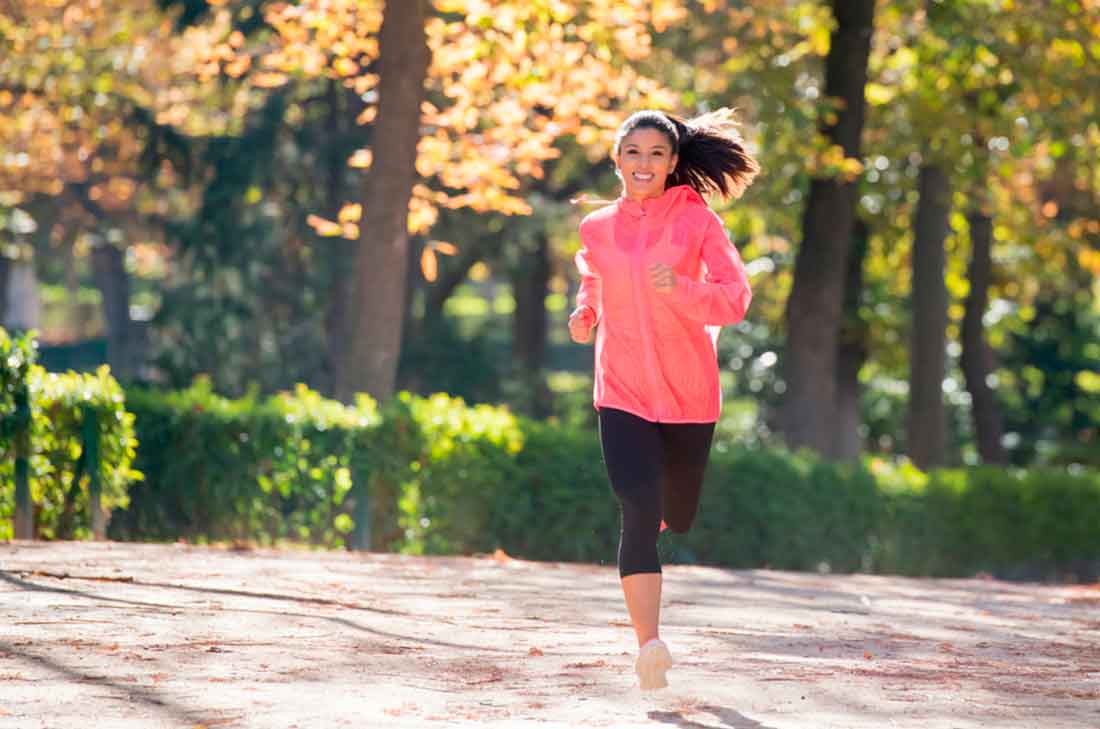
[659, 207]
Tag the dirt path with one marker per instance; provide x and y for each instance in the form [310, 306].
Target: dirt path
[124, 636]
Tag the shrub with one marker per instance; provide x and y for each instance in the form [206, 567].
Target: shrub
[66, 410]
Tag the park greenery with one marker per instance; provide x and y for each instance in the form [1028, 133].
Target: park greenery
[433, 475]
[327, 247]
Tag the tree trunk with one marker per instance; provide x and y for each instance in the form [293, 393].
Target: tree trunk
[381, 264]
[109, 270]
[530, 285]
[977, 356]
[928, 344]
[852, 351]
[814, 307]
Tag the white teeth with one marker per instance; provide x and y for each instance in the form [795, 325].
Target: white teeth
[642, 177]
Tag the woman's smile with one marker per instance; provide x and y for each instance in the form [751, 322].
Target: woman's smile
[645, 161]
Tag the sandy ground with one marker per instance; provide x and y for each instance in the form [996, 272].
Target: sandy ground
[124, 636]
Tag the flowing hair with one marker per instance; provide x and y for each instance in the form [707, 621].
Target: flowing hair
[711, 156]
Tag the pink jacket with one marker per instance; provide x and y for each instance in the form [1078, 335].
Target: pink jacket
[656, 353]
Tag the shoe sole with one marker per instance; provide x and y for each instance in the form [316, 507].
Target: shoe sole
[653, 663]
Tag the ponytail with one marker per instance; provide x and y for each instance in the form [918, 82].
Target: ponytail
[711, 156]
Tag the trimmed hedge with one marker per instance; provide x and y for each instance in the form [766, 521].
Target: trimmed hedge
[294, 466]
[438, 477]
[64, 409]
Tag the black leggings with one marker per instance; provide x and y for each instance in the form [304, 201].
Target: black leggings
[656, 471]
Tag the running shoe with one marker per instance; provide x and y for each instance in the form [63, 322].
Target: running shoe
[653, 662]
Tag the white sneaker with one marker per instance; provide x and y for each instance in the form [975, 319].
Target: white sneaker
[653, 662]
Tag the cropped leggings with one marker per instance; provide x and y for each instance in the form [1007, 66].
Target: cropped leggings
[656, 471]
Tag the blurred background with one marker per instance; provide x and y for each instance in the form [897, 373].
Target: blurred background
[234, 203]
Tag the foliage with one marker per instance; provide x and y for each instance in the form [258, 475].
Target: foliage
[443, 477]
[225, 145]
[59, 471]
[287, 467]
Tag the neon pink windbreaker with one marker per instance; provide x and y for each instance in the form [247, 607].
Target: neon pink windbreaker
[656, 353]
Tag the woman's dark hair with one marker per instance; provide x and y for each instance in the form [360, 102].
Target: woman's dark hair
[711, 153]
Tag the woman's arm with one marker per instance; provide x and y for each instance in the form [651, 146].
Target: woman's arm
[589, 293]
[724, 296]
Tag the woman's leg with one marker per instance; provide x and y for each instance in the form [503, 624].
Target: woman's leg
[633, 454]
[686, 449]
[642, 592]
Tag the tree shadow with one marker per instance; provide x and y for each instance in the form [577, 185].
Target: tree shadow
[121, 602]
[729, 718]
[148, 697]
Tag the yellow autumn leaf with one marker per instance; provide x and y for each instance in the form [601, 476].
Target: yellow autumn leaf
[237, 67]
[345, 67]
[442, 246]
[269, 79]
[362, 159]
[324, 228]
[350, 213]
[429, 265]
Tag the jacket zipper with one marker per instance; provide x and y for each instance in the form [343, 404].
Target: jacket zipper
[637, 260]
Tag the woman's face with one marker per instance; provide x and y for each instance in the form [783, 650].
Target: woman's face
[645, 161]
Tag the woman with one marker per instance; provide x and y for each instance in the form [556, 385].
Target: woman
[659, 277]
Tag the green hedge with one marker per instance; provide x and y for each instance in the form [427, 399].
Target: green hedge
[64, 409]
[438, 477]
[293, 466]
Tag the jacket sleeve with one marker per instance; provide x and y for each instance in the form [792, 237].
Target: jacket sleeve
[724, 295]
[590, 292]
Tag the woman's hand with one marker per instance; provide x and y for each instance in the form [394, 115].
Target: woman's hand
[662, 277]
[581, 322]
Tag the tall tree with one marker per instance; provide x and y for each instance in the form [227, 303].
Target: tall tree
[852, 351]
[927, 423]
[977, 357]
[493, 103]
[816, 300]
[370, 364]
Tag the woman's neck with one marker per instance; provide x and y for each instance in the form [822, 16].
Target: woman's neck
[641, 197]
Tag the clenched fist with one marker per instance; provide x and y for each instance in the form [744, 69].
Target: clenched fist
[581, 322]
[662, 277]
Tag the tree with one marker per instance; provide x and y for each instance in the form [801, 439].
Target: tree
[380, 264]
[505, 80]
[85, 100]
[816, 299]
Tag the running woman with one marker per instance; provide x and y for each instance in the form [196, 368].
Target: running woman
[659, 278]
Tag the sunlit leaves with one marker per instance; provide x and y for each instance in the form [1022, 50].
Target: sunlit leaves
[345, 226]
[506, 81]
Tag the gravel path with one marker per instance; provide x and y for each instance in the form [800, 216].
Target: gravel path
[142, 636]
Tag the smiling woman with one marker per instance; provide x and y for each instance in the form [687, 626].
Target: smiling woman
[660, 278]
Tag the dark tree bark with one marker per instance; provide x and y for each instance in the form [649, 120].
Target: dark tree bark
[530, 285]
[852, 351]
[109, 272]
[977, 356]
[928, 344]
[371, 359]
[816, 300]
